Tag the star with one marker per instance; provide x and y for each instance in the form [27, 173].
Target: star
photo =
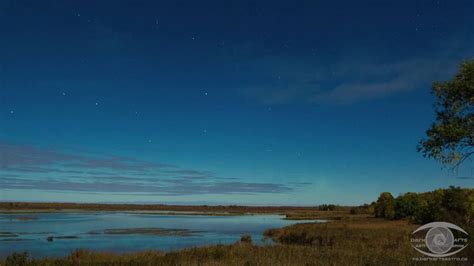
[96, 104]
[150, 141]
[12, 112]
[205, 93]
[193, 38]
[63, 93]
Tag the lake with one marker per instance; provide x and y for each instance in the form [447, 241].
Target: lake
[126, 231]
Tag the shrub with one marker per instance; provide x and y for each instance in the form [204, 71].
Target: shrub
[246, 239]
[17, 259]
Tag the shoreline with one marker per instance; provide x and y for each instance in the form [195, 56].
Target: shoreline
[291, 212]
[284, 216]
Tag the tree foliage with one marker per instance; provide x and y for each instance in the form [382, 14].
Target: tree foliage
[327, 207]
[453, 204]
[450, 139]
[406, 205]
[385, 206]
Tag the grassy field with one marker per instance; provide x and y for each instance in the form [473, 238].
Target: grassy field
[350, 240]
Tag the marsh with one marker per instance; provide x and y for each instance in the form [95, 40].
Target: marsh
[127, 232]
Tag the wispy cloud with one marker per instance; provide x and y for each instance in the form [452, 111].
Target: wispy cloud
[15, 156]
[34, 167]
[465, 177]
[348, 82]
[354, 76]
[176, 189]
[384, 79]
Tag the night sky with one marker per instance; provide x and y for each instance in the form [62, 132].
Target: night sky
[219, 102]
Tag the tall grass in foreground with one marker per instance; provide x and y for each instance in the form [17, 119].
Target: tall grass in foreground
[361, 242]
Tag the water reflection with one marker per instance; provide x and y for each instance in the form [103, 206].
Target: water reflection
[137, 231]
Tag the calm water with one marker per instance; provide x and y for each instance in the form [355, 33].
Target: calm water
[31, 235]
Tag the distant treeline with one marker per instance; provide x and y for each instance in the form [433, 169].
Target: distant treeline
[329, 207]
[234, 209]
[453, 204]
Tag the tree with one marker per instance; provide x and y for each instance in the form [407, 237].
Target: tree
[450, 139]
[385, 206]
[456, 203]
[406, 205]
[326, 207]
[430, 207]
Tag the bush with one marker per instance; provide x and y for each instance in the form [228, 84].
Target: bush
[17, 259]
[246, 239]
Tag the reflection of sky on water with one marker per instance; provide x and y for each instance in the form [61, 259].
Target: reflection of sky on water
[32, 234]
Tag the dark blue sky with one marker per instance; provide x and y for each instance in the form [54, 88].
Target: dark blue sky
[300, 102]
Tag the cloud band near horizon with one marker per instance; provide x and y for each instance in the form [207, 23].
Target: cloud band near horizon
[31, 167]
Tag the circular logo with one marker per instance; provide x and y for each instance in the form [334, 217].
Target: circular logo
[439, 240]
